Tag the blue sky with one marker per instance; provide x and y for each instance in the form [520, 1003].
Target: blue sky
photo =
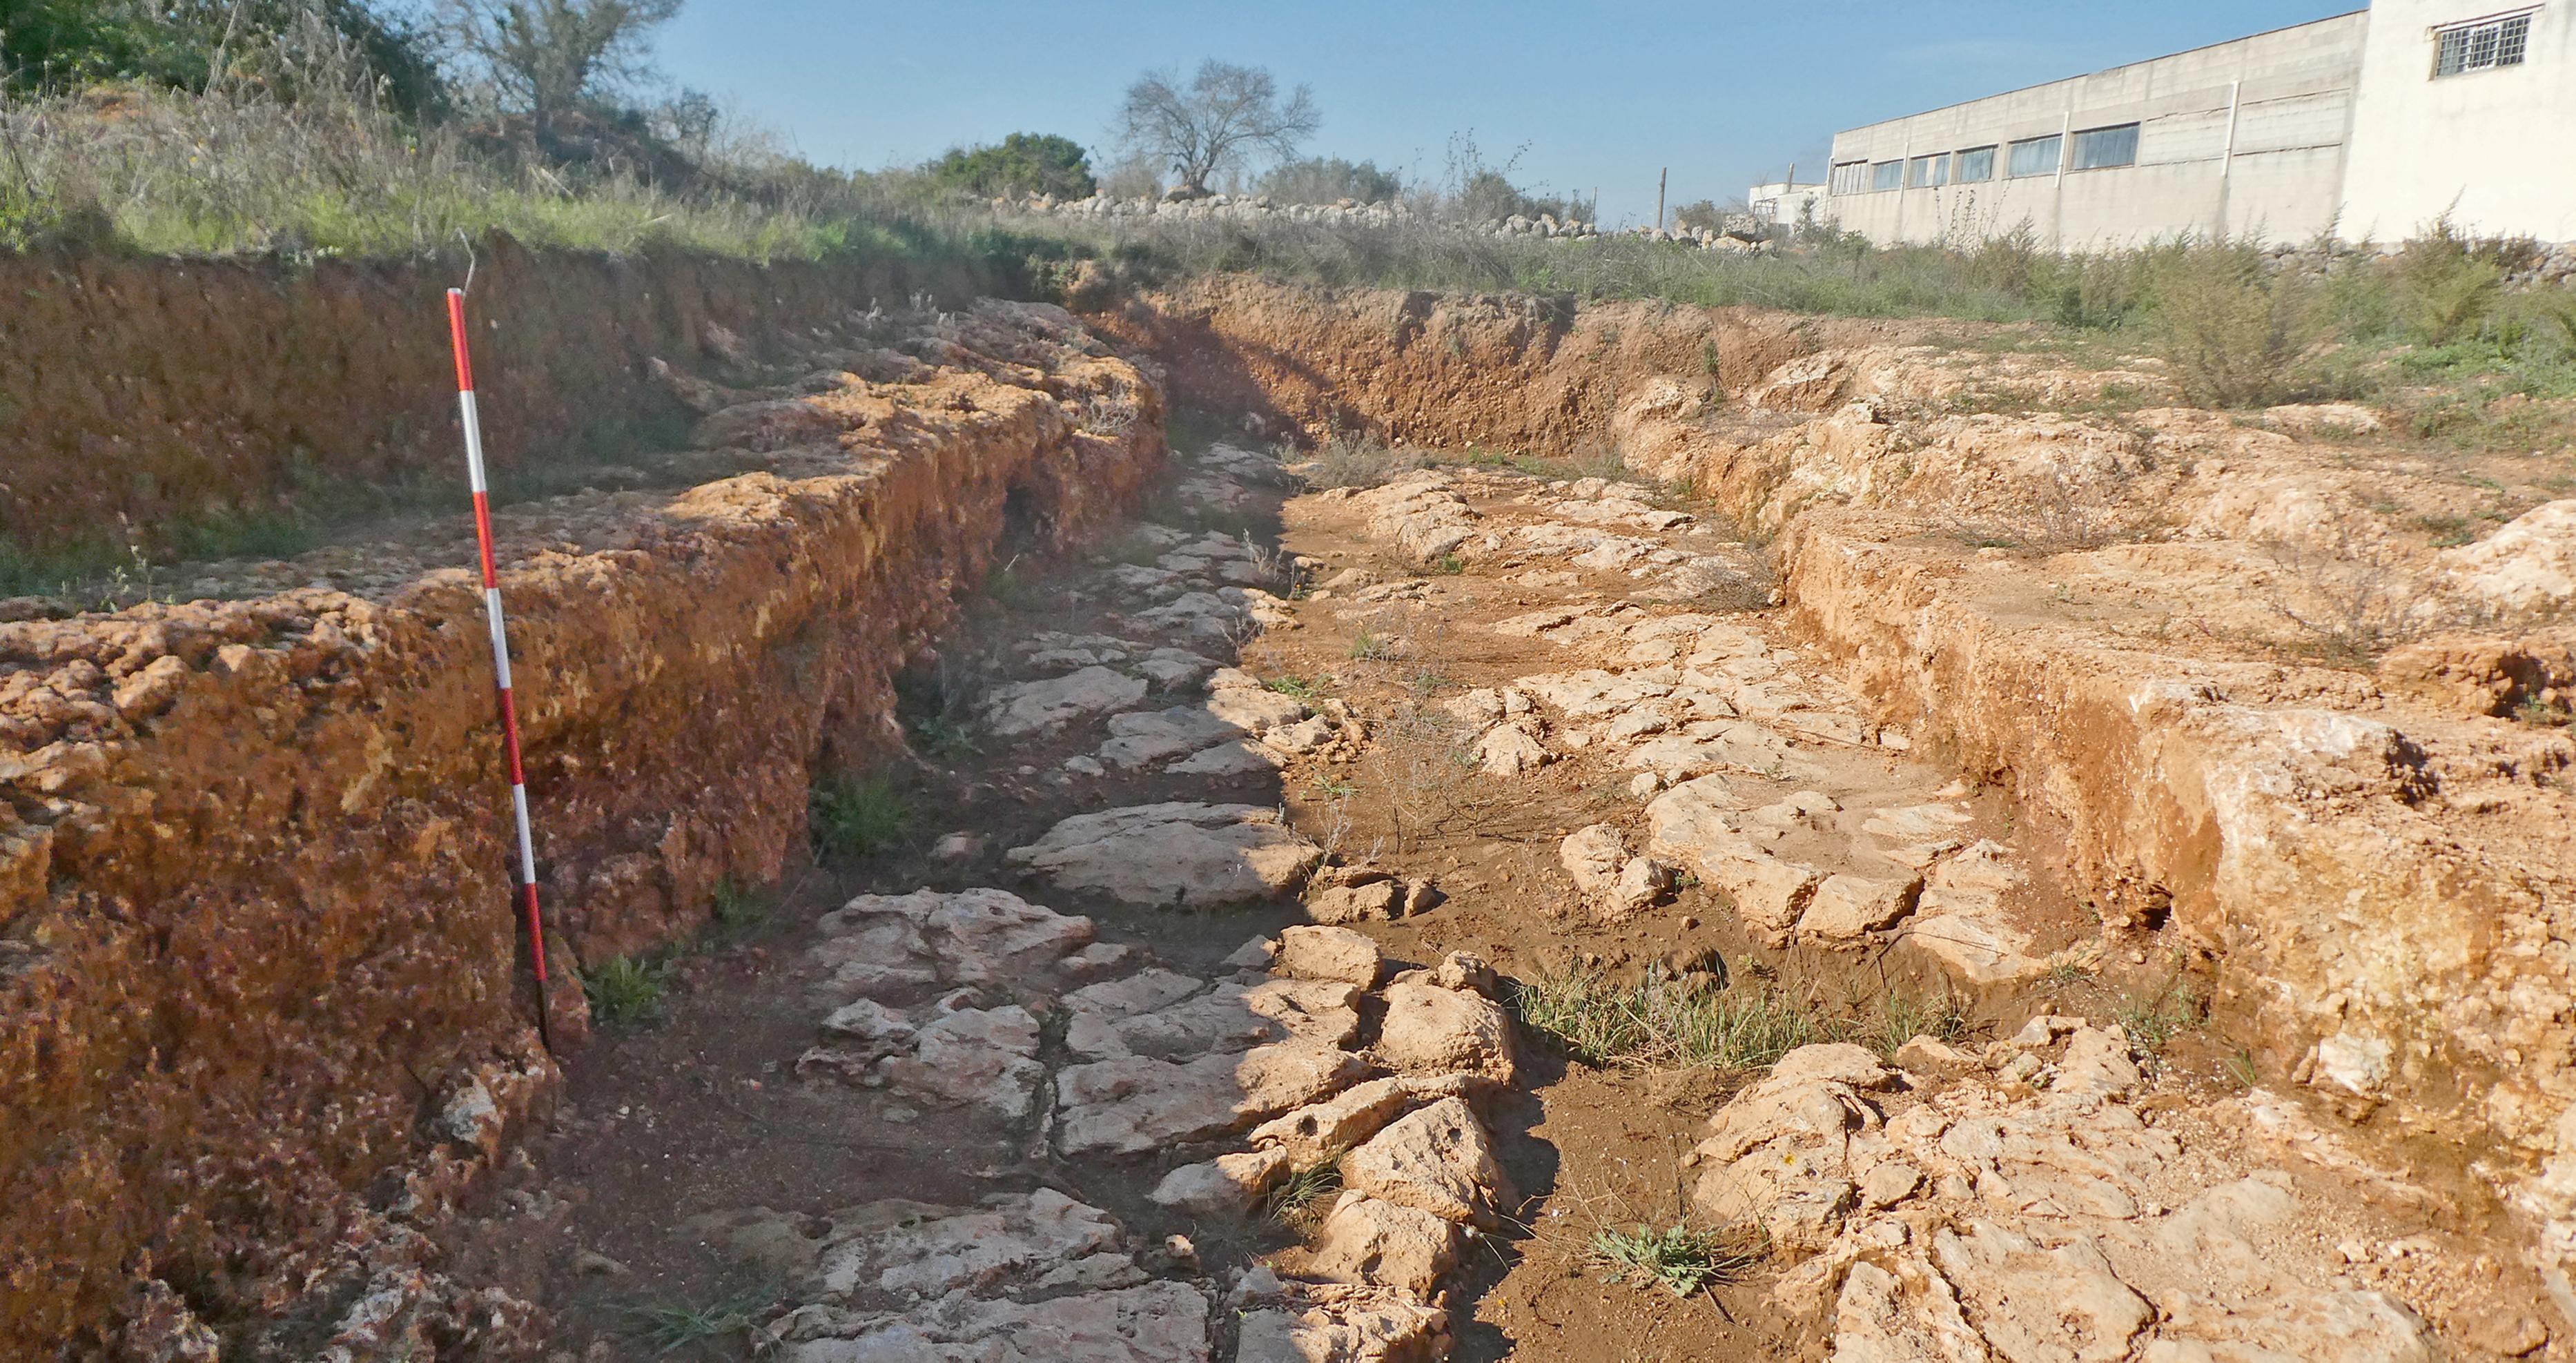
[1600, 94]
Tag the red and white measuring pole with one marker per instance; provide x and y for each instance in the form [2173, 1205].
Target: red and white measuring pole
[500, 654]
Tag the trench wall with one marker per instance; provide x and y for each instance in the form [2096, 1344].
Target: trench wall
[254, 896]
[1506, 372]
[149, 401]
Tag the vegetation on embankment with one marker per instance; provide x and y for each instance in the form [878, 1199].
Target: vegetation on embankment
[326, 138]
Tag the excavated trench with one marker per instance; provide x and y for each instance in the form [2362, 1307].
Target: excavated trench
[1339, 910]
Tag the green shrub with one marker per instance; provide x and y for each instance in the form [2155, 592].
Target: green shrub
[1022, 163]
[2237, 333]
[2444, 284]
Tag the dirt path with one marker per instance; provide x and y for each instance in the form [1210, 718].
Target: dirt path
[1585, 838]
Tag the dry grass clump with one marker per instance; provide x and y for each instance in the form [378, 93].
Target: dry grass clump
[1666, 1022]
[2351, 599]
[1358, 459]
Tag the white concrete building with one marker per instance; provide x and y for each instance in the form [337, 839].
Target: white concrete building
[1785, 203]
[2369, 124]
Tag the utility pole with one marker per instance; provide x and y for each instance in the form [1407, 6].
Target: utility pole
[1661, 174]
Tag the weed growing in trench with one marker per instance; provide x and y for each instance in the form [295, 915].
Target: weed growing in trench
[853, 817]
[741, 910]
[626, 991]
[1678, 1259]
[1662, 1022]
[944, 736]
[2152, 1019]
[1013, 589]
[1354, 459]
[1895, 1019]
[667, 1328]
[1299, 1201]
[1295, 688]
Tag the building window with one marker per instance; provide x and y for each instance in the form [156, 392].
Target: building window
[2034, 156]
[1851, 177]
[2481, 46]
[2103, 148]
[1928, 172]
[1974, 166]
[1887, 175]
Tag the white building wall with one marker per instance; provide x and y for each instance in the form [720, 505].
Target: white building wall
[2247, 137]
[2495, 148]
[1784, 204]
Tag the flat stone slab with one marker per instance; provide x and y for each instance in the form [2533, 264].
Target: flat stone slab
[1161, 1322]
[877, 945]
[1138, 1105]
[1035, 706]
[1174, 854]
[1137, 740]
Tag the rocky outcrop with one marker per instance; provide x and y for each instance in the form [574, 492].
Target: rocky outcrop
[2033, 1214]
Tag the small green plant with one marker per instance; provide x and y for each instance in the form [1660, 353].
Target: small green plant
[2447, 532]
[1015, 590]
[2241, 1070]
[1334, 788]
[855, 816]
[1449, 565]
[2151, 1019]
[741, 910]
[625, 991]
[945, 736]
[2534, 710]
[1296, 688]
[1370, 646]
[2065, 974]
[667, 1328]
[1897, 1018]
[1678, 1259]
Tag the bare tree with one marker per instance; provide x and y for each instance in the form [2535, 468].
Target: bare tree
[547, 56]
[1211, 124]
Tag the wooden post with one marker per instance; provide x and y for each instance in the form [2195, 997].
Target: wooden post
[1660, 176]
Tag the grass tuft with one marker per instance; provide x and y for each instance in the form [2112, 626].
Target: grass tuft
[853, 817]
[1299, 1201]
[626, 991]
[667, 1328]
